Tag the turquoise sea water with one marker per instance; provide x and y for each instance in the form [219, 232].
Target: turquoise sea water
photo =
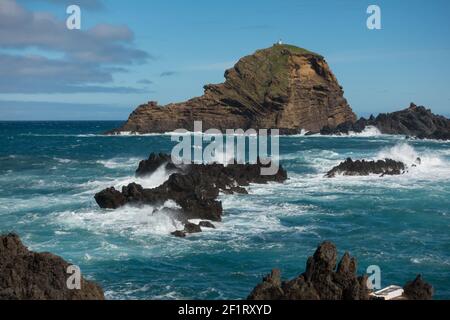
[49, 172]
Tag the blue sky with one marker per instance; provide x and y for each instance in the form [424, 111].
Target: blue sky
[130, 52]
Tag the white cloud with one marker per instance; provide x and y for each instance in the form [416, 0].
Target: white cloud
[90, 56]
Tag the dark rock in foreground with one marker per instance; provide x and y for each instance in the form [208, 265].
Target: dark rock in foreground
[320, 281]
[26, 275]
[418, 289]
[365, 168]
[194, 188]
[415, 121]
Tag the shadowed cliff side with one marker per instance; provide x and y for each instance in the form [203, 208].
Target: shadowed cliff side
[282, 87]
[26, 275]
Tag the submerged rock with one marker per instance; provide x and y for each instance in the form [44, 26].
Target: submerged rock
[320, 281]
[179, 234]
[365, 168]
[26, 275]
[189, 228]
[192, 228]
[283, 87]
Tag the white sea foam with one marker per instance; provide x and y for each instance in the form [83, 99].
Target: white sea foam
[369, 131]
[430, 259]
[154, 180]
[126, 221]
[119, 163]
[401, 152]
[256, 216]
[62, 160]
[431, 165]
[40, 202]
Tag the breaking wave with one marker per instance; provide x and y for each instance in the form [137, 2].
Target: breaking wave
[369, 131]
[118, 163]
[425, 164]
[126, 221]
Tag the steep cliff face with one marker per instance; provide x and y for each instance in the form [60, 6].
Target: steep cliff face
[282, 87]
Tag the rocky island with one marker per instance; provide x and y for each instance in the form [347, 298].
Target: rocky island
[282, 87]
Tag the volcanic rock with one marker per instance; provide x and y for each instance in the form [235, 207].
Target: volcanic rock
[320, 281]
[179, 234]
[154, 162]
[26, 275]
[418, 289]
[269, 289]
[192, 228]
[365, 168]
[206, 224]
[345, 128]
[415, 121]
[282, 87]
[323, 281]
[193, 187]
[110, 199]
[188, 229]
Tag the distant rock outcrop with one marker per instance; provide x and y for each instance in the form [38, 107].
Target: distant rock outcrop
[283, 87]
[324, 279]
[26, 275]
[364, 168]
[415, 121]
[193, 187]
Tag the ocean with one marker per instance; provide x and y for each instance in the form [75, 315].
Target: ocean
[50, 171]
